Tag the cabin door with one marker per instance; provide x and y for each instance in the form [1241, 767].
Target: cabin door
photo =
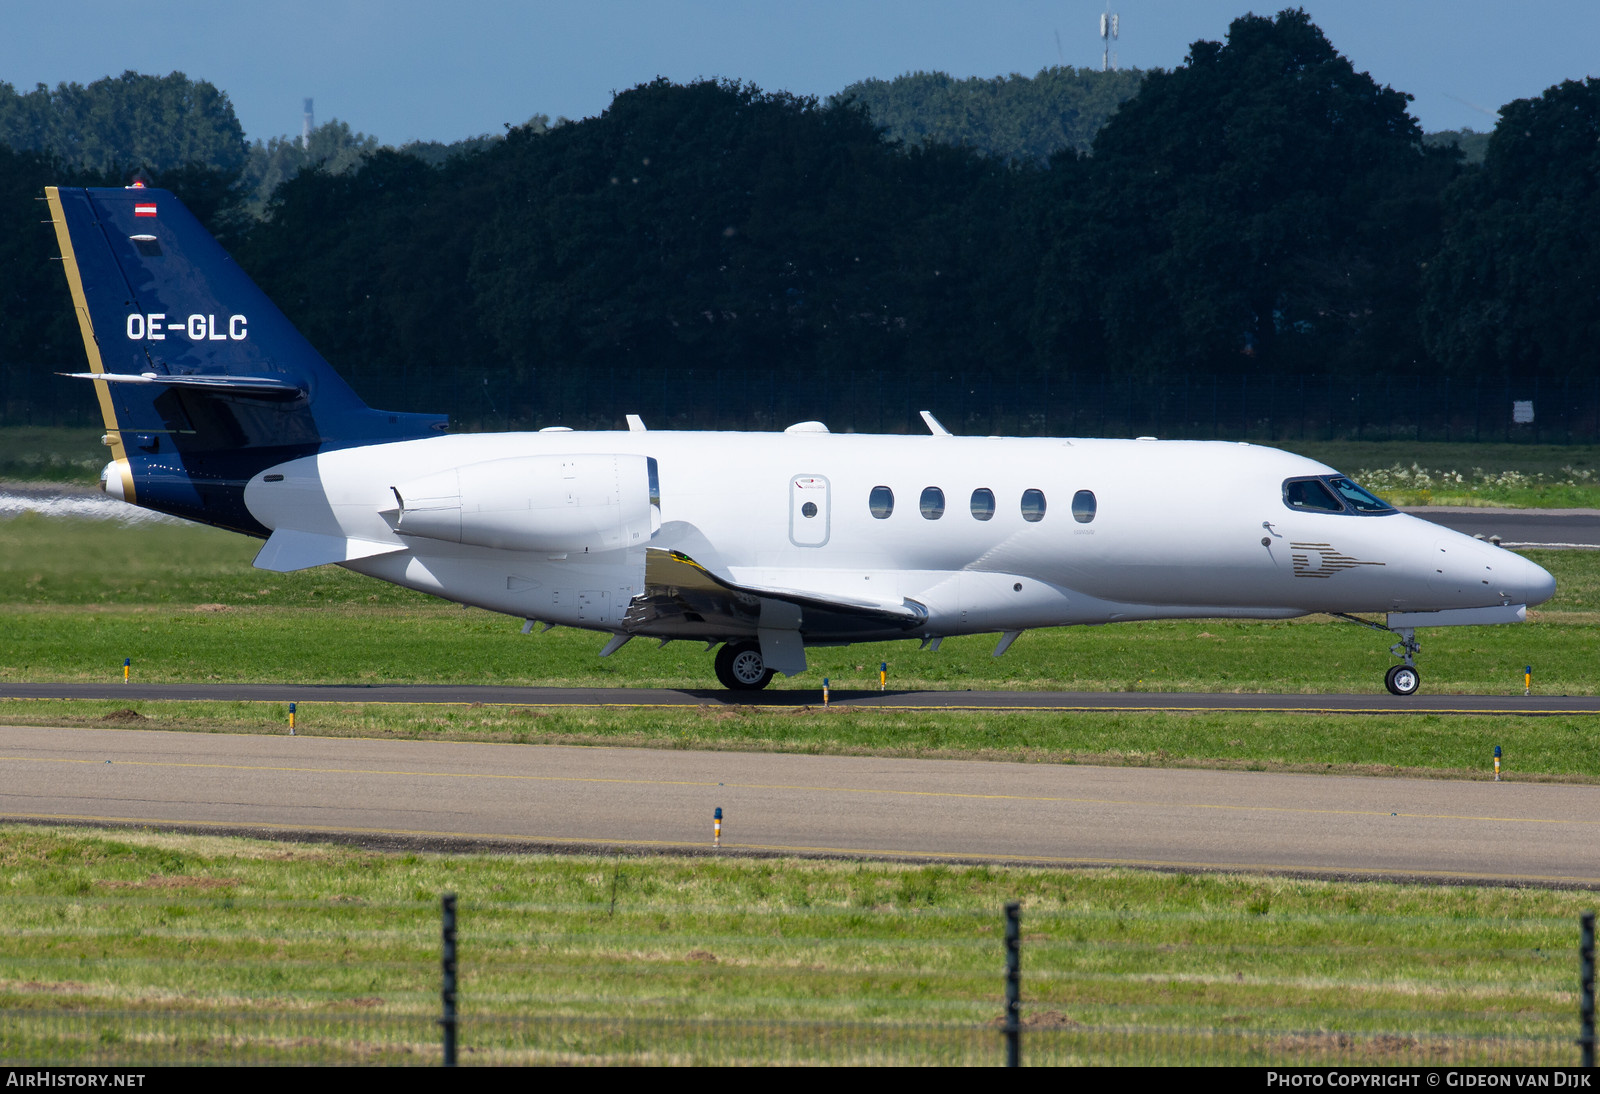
[808, 510]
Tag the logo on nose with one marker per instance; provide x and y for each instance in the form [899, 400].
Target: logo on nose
[1322, 560]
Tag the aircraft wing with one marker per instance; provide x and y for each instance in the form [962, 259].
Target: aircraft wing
[682, 598]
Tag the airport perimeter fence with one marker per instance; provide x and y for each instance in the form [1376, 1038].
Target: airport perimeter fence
[1284, 408]
[137, 1038]
[112, 980]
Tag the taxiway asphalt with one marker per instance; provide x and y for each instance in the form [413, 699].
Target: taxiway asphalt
[1520, 528]
[455, 795]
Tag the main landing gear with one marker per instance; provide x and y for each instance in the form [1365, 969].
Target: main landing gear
[741, 667]
[1402, 679]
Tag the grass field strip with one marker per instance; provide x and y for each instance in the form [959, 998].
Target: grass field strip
[839, 701]
[779, 1027]
[137, 947]
[184, 604]
[1555, 748]
[488, 842]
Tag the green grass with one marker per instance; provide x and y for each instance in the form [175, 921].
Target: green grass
[442, 645]
[51, 454]
[1529, 459]
[77, 597]
[330, 954]
[1556, 748]
[1517, 476]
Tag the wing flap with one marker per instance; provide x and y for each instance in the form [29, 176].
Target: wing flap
[682, 597]
[904, 610]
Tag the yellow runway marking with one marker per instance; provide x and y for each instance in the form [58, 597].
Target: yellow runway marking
[799, 788]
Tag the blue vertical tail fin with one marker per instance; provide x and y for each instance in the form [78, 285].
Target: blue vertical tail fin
[202, 381]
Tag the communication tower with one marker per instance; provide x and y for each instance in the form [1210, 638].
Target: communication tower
[307, 124]
[1108, 35]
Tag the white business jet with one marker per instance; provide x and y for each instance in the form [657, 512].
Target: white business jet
[762, 544]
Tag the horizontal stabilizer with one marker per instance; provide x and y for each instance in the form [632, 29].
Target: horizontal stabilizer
[287, 550]
[259, 387]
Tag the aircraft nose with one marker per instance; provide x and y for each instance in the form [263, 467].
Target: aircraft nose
[1529, 583]
[1466, 570]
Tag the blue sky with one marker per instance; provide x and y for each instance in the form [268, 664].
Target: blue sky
[405, 69]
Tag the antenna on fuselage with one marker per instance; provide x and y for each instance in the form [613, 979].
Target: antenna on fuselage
[933, 424]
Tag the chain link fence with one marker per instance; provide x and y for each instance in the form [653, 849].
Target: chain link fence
[93, 980]
[53, 1036]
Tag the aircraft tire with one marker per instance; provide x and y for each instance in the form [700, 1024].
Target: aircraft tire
[1402, 680]
[740, 667]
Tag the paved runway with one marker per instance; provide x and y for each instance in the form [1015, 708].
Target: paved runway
[1527, 705]
[455, 795]
[1521, 527]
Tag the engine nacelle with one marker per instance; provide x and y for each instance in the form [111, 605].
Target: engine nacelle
[566, 504]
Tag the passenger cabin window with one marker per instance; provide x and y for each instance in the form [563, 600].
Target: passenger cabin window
[1083, 506]
[933, 503]
[1033, 505]
[881, 502]
[982, 503]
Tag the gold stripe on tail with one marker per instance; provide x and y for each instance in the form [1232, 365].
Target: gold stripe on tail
[91, 347]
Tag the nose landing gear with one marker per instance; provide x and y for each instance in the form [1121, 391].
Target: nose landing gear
[1403, 679]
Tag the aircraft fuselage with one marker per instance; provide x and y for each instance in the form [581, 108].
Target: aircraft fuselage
[848, 537]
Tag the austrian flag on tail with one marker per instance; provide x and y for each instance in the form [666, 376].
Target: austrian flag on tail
[145, 209]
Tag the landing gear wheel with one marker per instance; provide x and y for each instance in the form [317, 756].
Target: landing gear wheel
[740, 667]
[1402, 680]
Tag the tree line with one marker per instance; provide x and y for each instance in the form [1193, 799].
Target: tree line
[1261, 210]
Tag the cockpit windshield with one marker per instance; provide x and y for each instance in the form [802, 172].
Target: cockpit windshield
[1310, 494]
[1331, 494]
[1357, 498]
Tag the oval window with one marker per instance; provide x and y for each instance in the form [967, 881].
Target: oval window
[1083, 506]
[933, 503]
[809, 509]
[1033, 505]
[982, 503]
[881, 502]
